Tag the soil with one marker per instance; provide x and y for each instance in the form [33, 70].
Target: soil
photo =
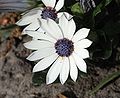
[16, 76]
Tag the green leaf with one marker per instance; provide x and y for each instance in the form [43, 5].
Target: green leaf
[103, 46]
[101, 6]
[6, 31]
[4, 35]
[10, 27]
[96, 11]
[76, 9]
[39, 78]
[105, 81]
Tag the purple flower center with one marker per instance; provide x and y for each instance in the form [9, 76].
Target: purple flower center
[49, 12]
[64, 47]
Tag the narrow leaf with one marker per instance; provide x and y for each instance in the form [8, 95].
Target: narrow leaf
[77, 9]
[101, 6]
[105, 81]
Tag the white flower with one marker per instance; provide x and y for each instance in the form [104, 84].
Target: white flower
[50, 11]
[61, 48]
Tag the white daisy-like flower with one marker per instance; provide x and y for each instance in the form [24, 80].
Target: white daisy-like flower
[61, 48]
[50, 11]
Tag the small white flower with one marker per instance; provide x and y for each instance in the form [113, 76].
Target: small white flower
[61, 48]
[50, 11]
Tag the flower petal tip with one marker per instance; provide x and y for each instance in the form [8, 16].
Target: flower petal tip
[34, 70]
[30, 58]
[24, 32]
[85, 71]
[86, 29]
[74, 79]
[19, 23]
[48, 81]
[91, 42]
[25, 45]
[62, 82]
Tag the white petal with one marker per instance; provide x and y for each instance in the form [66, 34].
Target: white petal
[54, 71]
[41, 30]
[49, 3]
[80, 34]
[52, 28]
[45, 63]
[80, 63]
[63, 23]
[83, 53]
[64, 71]
[33, 26]
[41, 53]
[71, 29]
[27, 20]
[67, 15]
[40, 35]
[38, 44]
[45, 27]
[84, 43]
[55, 29]
[32, 12]
[68, 26]
[59, 5]
[73, 69]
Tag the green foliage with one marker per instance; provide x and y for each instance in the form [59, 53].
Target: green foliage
[6, 31]
[39, 78]
[76, 9]
[105, 81]
[104, 34]
[101, 6]
[4, 35]
[103, 46]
